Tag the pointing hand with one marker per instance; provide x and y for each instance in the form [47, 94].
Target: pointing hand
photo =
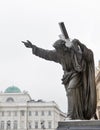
[28, 44]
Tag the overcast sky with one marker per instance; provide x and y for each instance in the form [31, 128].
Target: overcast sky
[37, 21]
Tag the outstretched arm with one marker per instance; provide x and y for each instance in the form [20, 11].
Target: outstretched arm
[45, 54]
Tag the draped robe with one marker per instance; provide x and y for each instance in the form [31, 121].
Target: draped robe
[78, 78]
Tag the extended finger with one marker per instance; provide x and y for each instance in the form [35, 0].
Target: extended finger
[29, 41]
[24, 42]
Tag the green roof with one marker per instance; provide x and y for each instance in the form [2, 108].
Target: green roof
[12, 89]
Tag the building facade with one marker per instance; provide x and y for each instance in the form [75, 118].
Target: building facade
[19, 112]
[97, 78]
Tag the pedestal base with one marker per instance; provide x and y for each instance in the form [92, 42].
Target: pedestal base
[79, 125]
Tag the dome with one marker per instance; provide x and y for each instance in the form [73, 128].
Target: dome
[12, 89]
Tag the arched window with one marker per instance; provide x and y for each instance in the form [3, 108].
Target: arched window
[10, 99]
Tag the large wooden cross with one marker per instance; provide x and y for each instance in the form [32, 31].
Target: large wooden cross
[63, 30]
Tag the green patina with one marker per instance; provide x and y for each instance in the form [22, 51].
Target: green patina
[12, 89]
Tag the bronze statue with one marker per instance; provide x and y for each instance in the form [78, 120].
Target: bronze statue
[79, 76]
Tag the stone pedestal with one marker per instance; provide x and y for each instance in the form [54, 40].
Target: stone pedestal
[79, 125]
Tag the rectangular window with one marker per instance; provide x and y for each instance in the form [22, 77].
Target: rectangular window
[8, 125]
[49, 124]
[15, 113]
[42, 124]
[22, 113]
[49, 113]
[36, 124]
[30, 125]
[9, 113]
[2, 113]
[42, 113]
[15, 125]
[2, 125]
[36, 113]
[30, 113]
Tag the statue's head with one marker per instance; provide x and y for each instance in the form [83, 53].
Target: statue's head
[62, 44]
[59, 44]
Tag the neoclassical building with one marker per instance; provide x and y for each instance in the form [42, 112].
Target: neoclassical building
[19, 112]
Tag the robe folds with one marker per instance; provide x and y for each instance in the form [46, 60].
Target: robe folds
[78, 78]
